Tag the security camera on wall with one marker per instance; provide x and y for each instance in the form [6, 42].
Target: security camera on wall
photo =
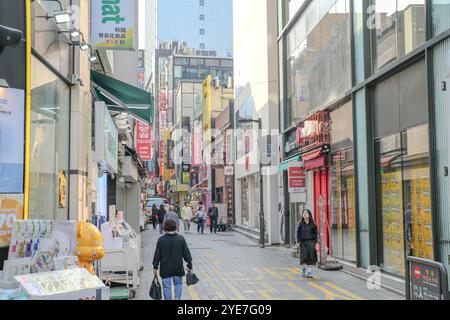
[9, 37]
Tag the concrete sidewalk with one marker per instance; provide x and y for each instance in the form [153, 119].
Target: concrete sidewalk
[232, 267]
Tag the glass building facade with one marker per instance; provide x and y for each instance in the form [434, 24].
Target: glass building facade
[377, 68]
[203, 24]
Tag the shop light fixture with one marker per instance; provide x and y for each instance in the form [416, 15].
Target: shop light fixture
[84, 46]
[92, 58]
[75, 33]
[62, 17]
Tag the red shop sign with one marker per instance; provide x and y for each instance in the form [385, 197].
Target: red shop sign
[143, 141]
[296, 179]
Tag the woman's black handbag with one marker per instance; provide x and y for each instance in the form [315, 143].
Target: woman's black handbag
[196, 220]
[155, 290]
[191, 279]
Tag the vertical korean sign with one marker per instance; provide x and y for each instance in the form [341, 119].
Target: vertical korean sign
[12, 121]
[143, 141]
[113, 24]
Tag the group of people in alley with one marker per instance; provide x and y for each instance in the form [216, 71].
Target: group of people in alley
[172, 248]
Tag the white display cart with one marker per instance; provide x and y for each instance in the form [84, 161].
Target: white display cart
[123, 260]
[71, 284]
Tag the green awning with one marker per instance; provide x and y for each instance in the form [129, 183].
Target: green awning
[122, 97]
[285, 164]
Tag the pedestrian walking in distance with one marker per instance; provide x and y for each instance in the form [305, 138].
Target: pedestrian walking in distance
[154, 218]
[172, 215]
[213, 214]
[170, 252]
[161, 216]
[307, 240]
[186, 215]
[201, 220]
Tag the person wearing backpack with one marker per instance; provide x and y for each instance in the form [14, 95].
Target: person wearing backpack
[170, 252]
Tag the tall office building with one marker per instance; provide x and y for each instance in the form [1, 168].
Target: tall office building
[202, 24]
[151, 42]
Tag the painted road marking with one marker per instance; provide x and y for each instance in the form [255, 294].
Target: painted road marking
[351, 295]
[216, 289]
[308, 295]
[236, 292]
[265, 295]
[273, 273]
[329, 295]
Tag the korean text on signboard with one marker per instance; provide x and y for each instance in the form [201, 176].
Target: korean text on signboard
[143, 141]
[428, 280]
[113, 24]
[297, 179]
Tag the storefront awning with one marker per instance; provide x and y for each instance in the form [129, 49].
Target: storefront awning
[122, 97]
[285, 164]
[312, 155]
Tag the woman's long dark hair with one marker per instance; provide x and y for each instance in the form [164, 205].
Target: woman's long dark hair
[311, 219]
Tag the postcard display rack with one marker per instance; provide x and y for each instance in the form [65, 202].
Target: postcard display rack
[42, 263]
[121, 242]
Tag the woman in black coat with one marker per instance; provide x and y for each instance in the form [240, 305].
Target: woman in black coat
[155, 212]
[161, 215]
[307, 240]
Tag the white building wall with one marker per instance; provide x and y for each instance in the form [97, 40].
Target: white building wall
[256, 77]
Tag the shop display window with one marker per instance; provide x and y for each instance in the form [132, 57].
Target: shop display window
[403, 177]
[342, 205]
[49, 143]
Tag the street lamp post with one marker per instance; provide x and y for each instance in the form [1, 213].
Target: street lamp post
[262, 231]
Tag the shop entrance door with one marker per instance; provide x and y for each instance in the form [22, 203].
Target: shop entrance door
[321, 187]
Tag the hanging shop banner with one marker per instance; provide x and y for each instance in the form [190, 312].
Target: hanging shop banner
[141, 70]
[197, 145]
[143, 141]
[12, 106]
[11, 209]
[106, 138]
[169, 162]
[186, 174]
[297, 179]
[113, 24]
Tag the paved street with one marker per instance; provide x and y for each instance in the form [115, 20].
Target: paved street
[232, 267]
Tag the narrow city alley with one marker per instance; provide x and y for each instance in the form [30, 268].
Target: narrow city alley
[232, 267]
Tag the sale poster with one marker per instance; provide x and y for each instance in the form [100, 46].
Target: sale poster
[11, 209]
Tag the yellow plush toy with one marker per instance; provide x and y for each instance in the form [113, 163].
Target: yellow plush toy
[90, 245]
